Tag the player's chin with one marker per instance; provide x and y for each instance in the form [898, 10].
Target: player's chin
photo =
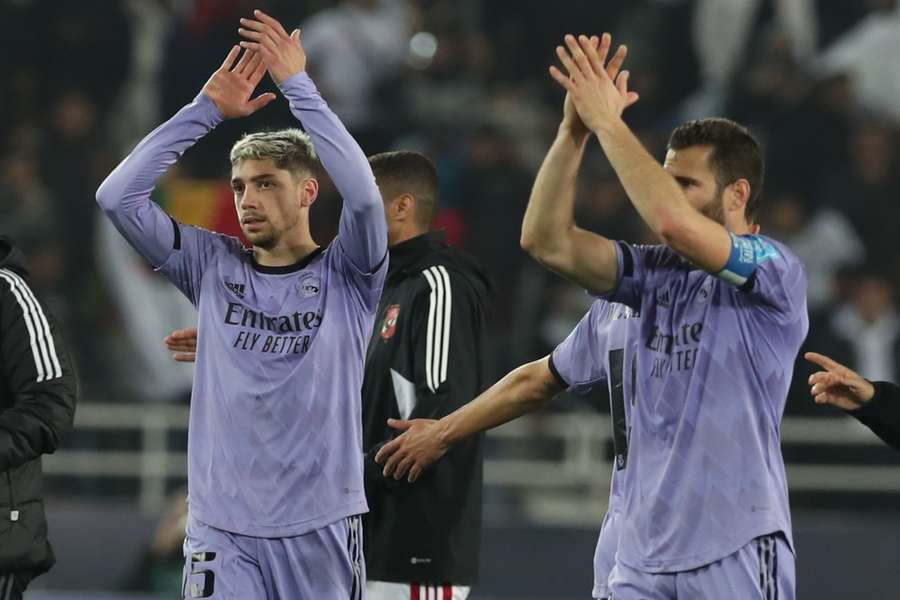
[260, 238]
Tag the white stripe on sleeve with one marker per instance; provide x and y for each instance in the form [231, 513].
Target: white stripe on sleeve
[429, 337]
[43, 348]
[437, 343]
[445, 347]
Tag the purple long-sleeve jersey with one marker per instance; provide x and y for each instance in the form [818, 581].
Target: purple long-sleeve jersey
[601, 351]
[275, 437]
[714, 361]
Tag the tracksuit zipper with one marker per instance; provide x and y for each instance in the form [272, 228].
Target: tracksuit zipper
[13, 511]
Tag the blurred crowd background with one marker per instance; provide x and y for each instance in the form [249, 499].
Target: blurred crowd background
[464, 81]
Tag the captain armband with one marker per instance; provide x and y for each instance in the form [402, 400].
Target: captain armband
[747, 253]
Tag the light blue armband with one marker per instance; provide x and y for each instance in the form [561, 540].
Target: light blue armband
[747, 253]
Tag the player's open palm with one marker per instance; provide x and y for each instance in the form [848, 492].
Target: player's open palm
[232, 85]
[282, 53]
[571, 119]
[599, 97]
[412, 451]
[837, 385]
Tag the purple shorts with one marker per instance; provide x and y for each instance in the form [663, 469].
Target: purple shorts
[761, 570]
[325, 564]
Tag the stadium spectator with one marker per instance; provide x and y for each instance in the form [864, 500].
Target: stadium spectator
[361, 47]
[866, 328]
[876, 83]
[149, 308]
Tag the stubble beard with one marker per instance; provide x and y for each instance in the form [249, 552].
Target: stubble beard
[714, 209]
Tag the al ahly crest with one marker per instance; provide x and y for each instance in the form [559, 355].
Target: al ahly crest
[389, 326]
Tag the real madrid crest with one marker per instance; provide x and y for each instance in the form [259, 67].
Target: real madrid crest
[309, 284]
[389, 325]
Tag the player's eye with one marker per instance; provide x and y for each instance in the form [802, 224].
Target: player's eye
[265, 185]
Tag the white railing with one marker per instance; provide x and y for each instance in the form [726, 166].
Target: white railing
[572, 487]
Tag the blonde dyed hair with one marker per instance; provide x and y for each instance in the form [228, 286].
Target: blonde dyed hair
[289, 149]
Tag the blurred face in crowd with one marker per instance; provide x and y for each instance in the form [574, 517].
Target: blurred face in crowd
[873, 152]
[271, 203]
[873, 298]
[690, 168]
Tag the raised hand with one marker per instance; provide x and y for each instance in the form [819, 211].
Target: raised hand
[282, 53]
[837, 385]
[182, 343]
[412, 451]
[598, 97]
[231, 85]
[571, 121]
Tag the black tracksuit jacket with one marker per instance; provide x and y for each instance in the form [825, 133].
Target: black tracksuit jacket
[37, 405]
[882, 413]
[425, 360]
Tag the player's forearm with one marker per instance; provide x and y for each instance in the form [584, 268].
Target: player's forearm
[125, 194]
[550, 213]
[363, 226]
[520, 392]
[654, 193]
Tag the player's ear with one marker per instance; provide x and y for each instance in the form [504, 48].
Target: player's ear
[308, 191]
[405, 207]
[737, 195]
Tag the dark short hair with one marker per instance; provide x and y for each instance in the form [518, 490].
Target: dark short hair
[735, 154]
[405, 172]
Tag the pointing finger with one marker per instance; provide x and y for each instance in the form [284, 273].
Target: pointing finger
[822, 361]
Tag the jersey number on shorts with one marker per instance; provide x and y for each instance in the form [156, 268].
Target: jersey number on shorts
[202, 581]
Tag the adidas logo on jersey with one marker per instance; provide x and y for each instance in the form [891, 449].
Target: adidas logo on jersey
[236, 288]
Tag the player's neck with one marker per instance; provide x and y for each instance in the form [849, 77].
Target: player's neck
[739, 226]
[287, 251]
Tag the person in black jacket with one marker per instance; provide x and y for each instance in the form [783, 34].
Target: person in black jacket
[424, 360]
[37, 405]
[875, 404]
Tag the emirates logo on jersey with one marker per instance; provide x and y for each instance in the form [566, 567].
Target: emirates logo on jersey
[389, 326]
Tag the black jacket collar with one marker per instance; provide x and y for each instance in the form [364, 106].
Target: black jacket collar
[11, 257]
[406, 254]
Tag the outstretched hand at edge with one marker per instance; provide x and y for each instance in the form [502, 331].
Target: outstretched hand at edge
[837, 385]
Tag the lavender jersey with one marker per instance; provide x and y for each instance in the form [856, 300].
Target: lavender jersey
[600, 351]
[705, 473]
[275, 438]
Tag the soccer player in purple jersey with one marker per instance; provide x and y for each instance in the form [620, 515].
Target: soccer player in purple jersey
[275, 471]
[601, 350]
[723, 314]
